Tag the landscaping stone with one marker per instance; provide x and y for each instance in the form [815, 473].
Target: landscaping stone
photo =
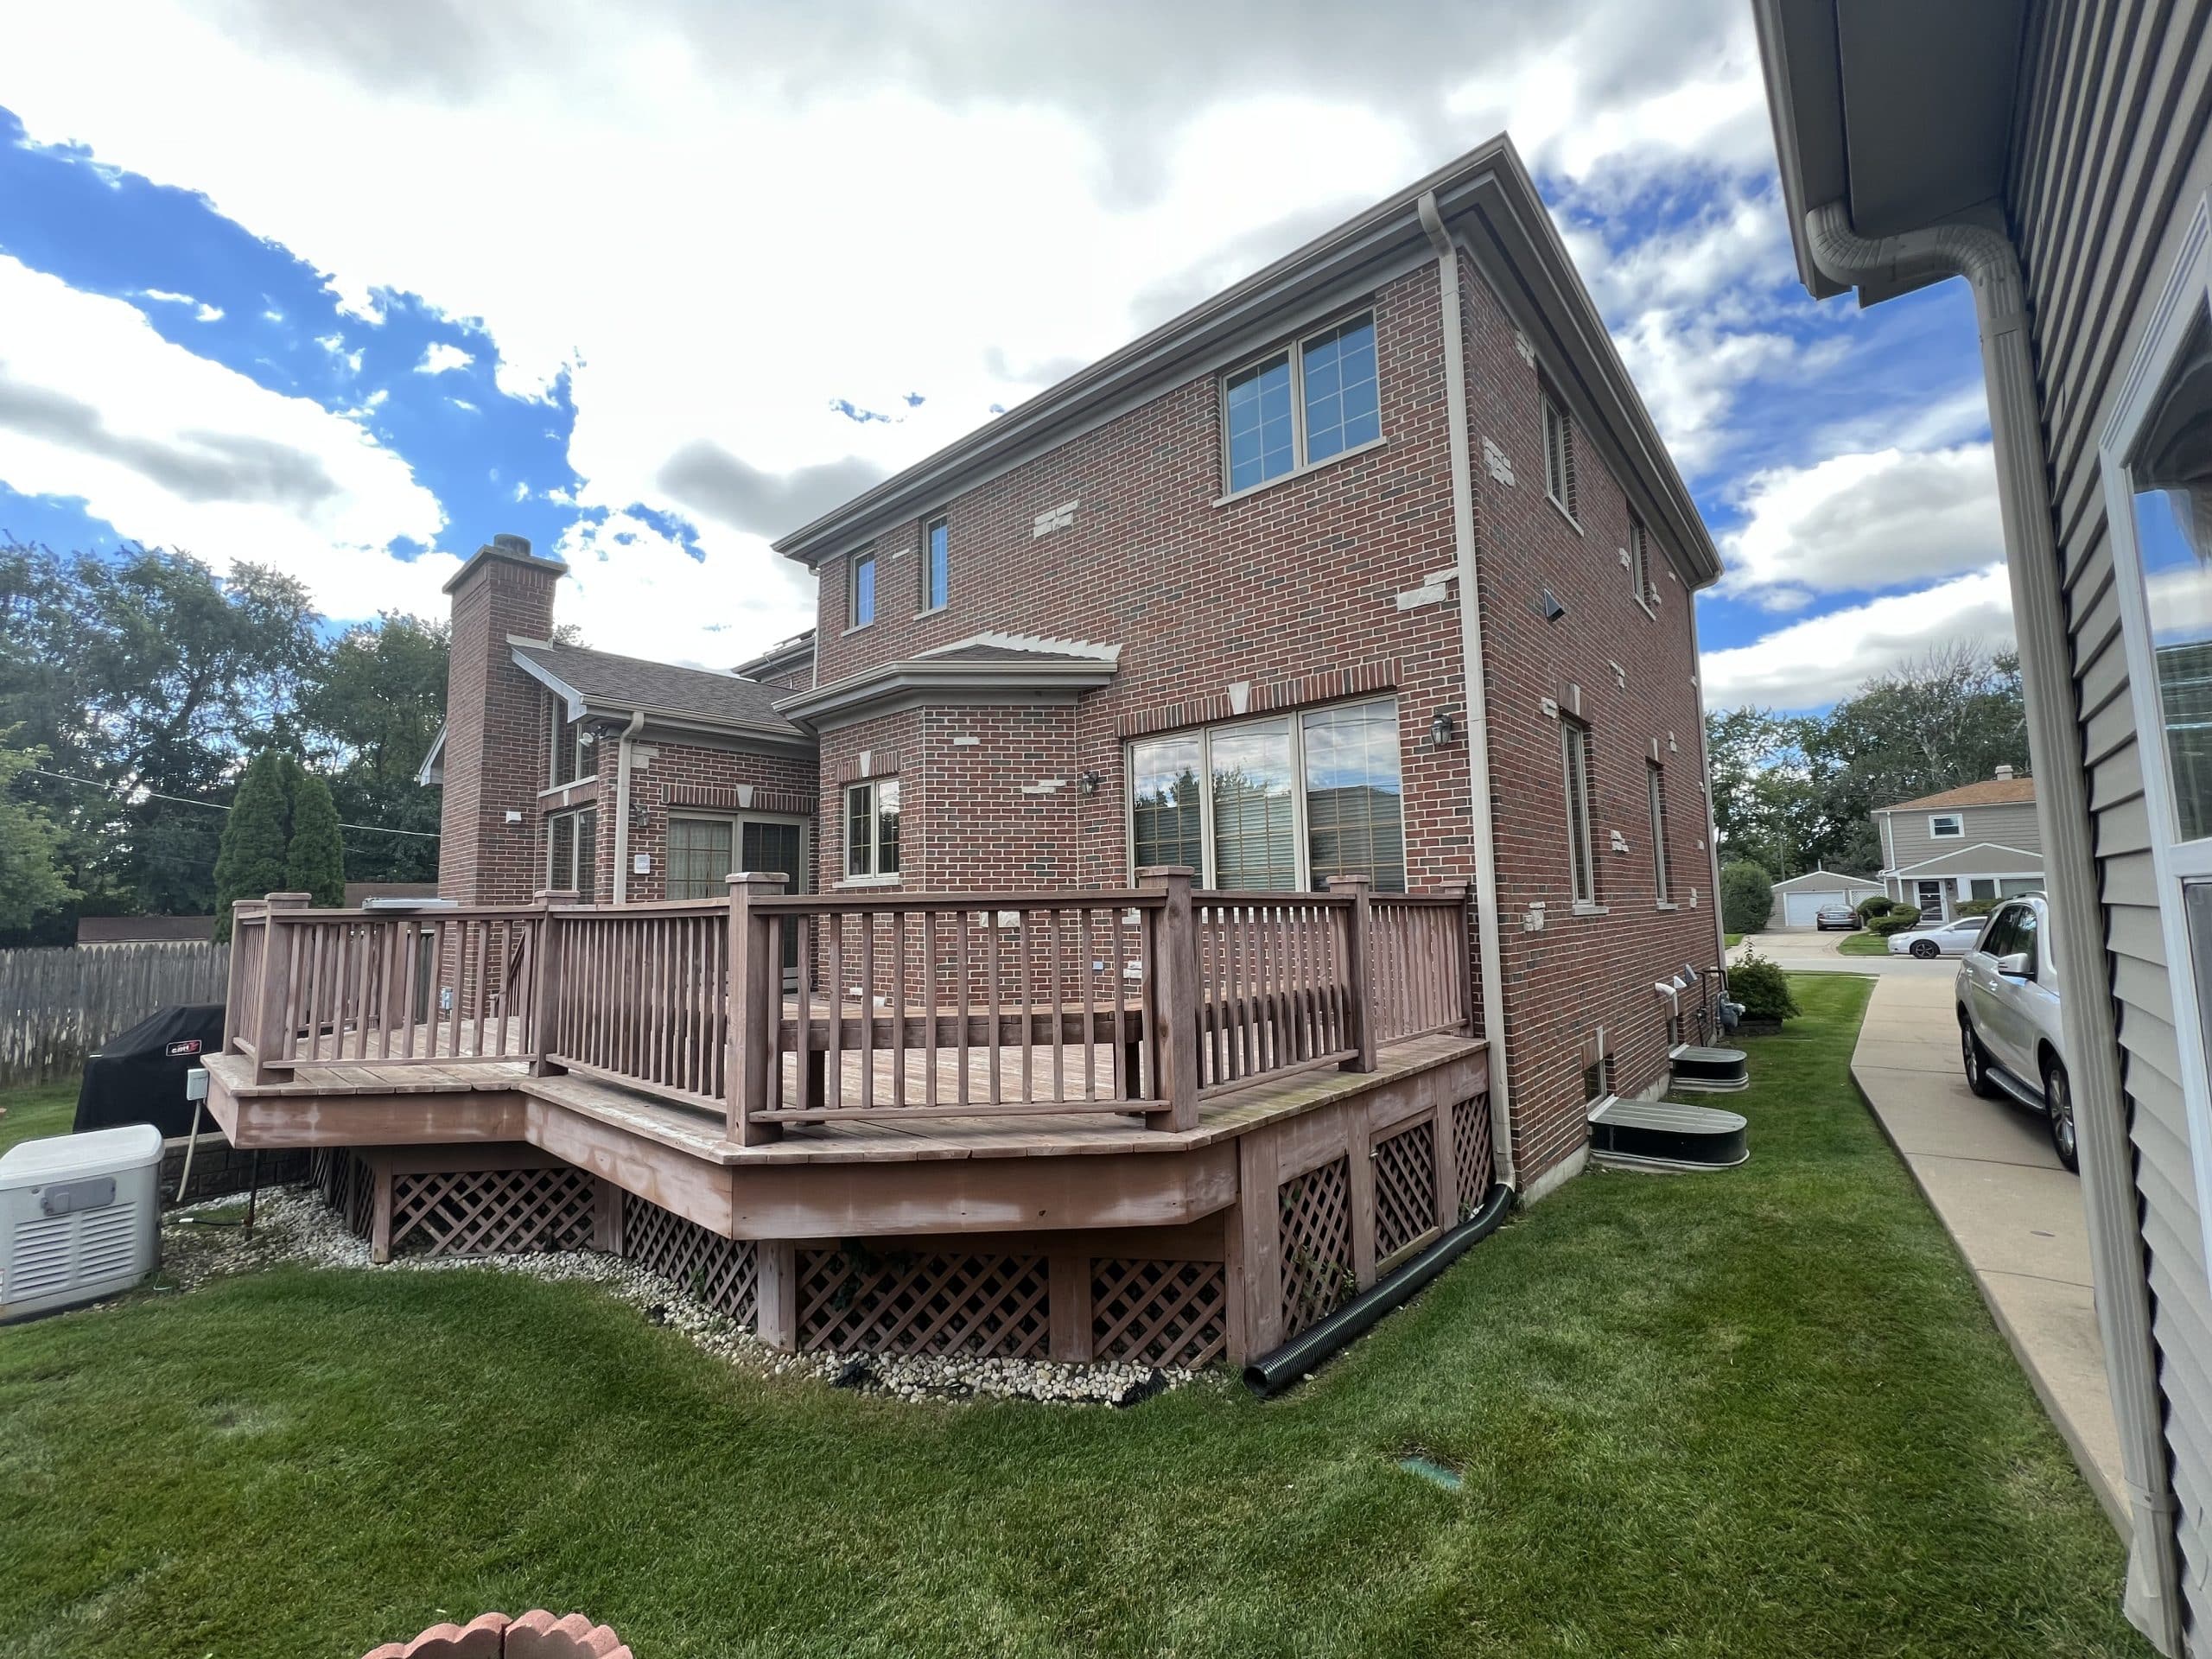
[536, 1635]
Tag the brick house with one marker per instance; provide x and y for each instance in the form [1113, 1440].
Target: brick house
[1372, 565]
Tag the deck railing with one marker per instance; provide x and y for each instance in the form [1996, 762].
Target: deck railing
[776, 1009]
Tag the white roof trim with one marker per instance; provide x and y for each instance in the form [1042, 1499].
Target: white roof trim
[546, 677]
[1954, 852]
[1029, 642]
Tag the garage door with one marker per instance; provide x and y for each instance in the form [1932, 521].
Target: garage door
[1803, 909]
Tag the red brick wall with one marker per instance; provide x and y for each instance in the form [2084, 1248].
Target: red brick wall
[496, 738]
[1291, 591]
[691, 782]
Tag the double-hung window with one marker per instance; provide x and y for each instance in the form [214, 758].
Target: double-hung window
[572, 853]
[1300, 405]
[1657, 782]
[1946, 826]
[1581, 854]
[937, 563]
[1278, 804]
[863, 590]
[1559, 456]
[872, 828]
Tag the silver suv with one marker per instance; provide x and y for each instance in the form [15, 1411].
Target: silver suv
[2008, 1018]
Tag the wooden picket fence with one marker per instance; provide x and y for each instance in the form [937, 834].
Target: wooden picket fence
[59, 1004]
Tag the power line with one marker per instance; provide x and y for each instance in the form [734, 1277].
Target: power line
[218, 806]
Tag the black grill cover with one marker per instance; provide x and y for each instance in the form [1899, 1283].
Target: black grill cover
[138, 1077]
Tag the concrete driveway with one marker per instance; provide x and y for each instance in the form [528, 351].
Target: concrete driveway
[1987, 1170]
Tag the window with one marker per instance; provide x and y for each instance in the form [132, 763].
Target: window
[863, 590]
[937, 563]
[1280, 803]
[1559, 456]
[1301, 406]
[572, 853]
[1982, 886]
[699, 857]
[1639, 559]
[1596, 1069]
[569, 745]
[1946, 826]
[1658, 781]
[872, 829]
[1581, 857]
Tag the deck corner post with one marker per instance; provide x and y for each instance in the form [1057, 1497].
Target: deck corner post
[380, 1213]
[776, 1294]
[1469, 951]
[1172, 1000]
[1068, 1309]
[544, 1033]
[1359, 953]
[235, 1022]
[272, 1040]
[756, 983]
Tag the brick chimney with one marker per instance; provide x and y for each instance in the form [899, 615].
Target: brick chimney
[495, 759]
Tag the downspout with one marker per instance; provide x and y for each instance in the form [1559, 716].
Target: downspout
[622, 804]
[1489, 948]
[1990, 265]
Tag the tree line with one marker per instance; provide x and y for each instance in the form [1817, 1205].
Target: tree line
[1793, 793]
[136, 687]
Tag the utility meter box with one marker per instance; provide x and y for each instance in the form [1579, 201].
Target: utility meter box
[80, 1217]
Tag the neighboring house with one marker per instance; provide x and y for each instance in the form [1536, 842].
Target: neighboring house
[145, 930]
[1799, 901]
[1978, 841]
[1359, 599]
[2060, 158]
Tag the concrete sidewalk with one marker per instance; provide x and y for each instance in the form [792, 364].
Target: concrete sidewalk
[1989, 1174]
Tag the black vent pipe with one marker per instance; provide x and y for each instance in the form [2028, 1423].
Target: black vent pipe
[1272, 1373]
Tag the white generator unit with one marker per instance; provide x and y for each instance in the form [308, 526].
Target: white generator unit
[80, 1217]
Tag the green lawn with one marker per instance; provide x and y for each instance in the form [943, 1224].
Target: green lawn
[37, 1109]
[1757, 1412]
[1864, 944]
[1732, 940]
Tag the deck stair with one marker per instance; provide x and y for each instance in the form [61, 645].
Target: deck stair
[1710, 1071]
[1667, 1133]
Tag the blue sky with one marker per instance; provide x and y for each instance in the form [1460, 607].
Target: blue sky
[347, 292]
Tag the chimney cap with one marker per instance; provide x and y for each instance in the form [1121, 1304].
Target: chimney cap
[2004, 774]
[505, 547]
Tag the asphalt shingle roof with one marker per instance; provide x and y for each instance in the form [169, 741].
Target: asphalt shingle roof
[633, 683]
[1990, 792]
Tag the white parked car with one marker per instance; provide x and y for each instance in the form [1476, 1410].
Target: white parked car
[1932, 939]
[2008, 1035]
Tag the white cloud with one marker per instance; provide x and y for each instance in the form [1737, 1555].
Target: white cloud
[1813, 662]
[168, 296]
[174, 448]
[1863, 522]
[210, 313]
[633, 590]
[441, 357]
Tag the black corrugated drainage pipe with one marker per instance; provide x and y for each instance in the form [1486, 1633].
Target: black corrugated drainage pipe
[1272, 1373]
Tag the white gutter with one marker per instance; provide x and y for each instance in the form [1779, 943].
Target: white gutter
[1470, 643]
[1990, 265]
[622, 805]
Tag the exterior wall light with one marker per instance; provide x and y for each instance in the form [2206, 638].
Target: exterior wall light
[1087, 783]
[1442, 729]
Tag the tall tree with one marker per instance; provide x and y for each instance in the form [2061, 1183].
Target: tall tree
[371, 715]
[256, 836]
[31, 885]
[314, 862]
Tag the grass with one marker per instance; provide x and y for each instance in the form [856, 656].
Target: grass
[1732, 940]
[1864, 944]
[37, 1109]
[1761, 1411]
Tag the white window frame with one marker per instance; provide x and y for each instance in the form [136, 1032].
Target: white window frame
[928, 605]
[1639, 561]
[853, 562]
[558, 706]
[1295, 350]
[580, 851]
[1956, 832]
[1575, 783]
[1559, 462]
[1657, 782]
[2176, 864]
[875, 874]
[1302, 858]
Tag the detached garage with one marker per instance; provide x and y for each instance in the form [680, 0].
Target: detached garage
[1799, 901]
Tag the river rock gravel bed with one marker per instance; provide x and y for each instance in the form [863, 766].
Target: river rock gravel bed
[204, 1241]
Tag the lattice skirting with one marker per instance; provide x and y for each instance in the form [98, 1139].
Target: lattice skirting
[1405, 1187]
[723, 1272]
[491, 1212]
[1470, 1151]
[903, 1302]
[347, 1184]
[1316, 1241]
[1158, 1313]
